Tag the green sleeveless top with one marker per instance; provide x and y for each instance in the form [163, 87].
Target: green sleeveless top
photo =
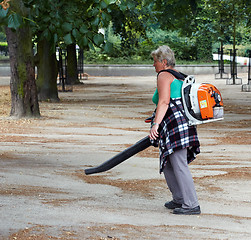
[176, 86]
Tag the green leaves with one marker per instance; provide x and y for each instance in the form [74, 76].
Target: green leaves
[45, 34]
[108, 47]
[83, 42]
[108, 2]
[103, 5]
[83, 29]
[68, 39]
[14, 21]
[95, 22]
[67, 27]
[98, 39]
[3, 13]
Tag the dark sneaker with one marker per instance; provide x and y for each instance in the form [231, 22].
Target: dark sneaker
[172, 205]
[187, 211]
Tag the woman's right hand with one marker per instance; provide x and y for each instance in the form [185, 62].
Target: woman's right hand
[154, 134]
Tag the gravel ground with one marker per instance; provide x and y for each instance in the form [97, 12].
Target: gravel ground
[45, 194]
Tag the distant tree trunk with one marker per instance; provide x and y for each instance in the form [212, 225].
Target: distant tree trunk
[47, 71]
[72, 66]
[24, 101]
[234, 67]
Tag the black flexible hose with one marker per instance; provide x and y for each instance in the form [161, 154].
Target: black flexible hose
[121, 157]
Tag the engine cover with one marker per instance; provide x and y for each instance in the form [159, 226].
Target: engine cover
[202, 102]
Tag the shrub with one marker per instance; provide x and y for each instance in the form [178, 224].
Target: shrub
[183, 47]
[4, 48]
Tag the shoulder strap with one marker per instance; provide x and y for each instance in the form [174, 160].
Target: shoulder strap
[178, 75]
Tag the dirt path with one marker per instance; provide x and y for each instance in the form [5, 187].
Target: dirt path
[45, 194]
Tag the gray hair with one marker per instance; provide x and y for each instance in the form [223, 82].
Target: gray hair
[164, 52]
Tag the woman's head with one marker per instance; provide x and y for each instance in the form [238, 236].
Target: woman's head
[164, 53]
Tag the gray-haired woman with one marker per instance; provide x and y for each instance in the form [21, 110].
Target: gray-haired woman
[178, 142]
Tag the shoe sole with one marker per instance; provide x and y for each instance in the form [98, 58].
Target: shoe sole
[187, 213]
[171, 208]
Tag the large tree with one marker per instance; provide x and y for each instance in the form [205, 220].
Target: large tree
[24, 102]
[72, 65]
[47, 72]
[65, 23]
[51, 22]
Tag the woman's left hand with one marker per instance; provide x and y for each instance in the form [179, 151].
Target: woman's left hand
[154, 134]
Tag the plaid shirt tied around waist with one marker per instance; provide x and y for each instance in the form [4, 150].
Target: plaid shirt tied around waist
[175, 134]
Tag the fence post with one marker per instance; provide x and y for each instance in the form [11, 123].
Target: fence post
[247, 87]
[61, 71]
[221, 64]
[80, 63]
[233, 66]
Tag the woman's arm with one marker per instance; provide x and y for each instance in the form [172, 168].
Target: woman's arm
[163, 84]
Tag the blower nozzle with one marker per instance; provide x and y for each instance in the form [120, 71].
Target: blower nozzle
[121, 157]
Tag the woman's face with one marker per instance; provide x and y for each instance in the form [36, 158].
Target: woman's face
[158, 65]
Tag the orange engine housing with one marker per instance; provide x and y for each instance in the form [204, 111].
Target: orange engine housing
[209, 97]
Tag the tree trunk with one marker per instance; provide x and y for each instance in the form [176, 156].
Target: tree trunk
[72, 67]
[24, 101]
[47, 72]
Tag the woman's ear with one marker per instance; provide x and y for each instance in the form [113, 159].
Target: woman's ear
[164, 62]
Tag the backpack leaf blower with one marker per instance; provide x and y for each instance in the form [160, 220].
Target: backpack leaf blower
[202, 102]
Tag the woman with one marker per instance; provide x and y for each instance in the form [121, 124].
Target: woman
[178, 142]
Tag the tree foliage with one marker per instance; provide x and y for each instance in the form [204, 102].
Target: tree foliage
[227, 14]
[202, 22]
[206, 21]
[173, 15]
[130, 21]
[76, 21]
[70, 22]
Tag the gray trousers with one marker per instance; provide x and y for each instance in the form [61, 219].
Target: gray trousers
[179, 179]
